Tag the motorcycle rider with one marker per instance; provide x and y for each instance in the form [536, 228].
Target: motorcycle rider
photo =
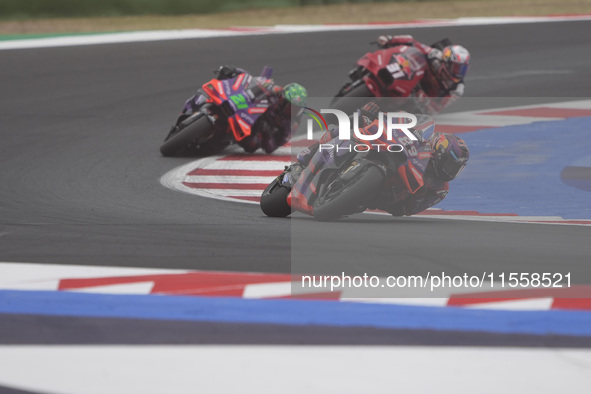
[449, 155]
[444, 82]
[277, 126]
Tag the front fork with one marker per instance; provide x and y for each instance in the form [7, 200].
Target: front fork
[289, 177]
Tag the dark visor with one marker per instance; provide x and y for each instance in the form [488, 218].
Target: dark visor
[458, 70]
[452, 167]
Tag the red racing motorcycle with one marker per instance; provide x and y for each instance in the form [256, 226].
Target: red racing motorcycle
[390, 72]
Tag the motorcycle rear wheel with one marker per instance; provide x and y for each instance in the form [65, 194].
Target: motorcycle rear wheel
[344, 198]
[191, 131]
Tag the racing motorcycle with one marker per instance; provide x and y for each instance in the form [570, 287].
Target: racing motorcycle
[389, 72]
[345, 177]
[228, 110]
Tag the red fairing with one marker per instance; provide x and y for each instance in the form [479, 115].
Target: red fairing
[239, 128]
[298, 201]
[215, 91]
[394, 71]
[411, 177]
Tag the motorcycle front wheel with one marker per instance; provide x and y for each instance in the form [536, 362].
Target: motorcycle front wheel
[343, 197]
[274, 200]
[191, 132]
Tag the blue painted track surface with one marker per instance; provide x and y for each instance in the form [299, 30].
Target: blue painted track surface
[518, 170]
[295, 312]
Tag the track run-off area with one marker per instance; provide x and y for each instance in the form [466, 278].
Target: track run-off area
[96, 251]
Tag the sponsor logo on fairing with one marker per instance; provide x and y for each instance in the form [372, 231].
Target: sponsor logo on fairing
[246, 117]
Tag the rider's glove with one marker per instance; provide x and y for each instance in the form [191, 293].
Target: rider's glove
[458, 91]
[435, 54]
[383, 41]
[371, 111]
[435, 58]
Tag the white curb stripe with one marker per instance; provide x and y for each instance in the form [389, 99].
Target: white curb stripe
[228, 179]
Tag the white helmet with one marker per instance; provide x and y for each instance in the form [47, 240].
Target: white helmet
[456, 61]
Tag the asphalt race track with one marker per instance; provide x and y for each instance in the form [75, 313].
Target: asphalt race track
[80, 171]
[81, 127]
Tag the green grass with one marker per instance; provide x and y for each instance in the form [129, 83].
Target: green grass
[89, 8]
[338, 13]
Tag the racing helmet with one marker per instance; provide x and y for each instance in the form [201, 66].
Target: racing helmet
[449, 155]
[293, 94]
[456, 61]
[296, 94]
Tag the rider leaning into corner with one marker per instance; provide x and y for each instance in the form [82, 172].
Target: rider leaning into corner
[443, 82]
[449, 155]
[276, 130]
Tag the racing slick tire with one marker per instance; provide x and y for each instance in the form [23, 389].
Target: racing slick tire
[274, 200]
[188, 136]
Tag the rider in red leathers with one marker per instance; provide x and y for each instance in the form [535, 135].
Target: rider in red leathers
[443, 83]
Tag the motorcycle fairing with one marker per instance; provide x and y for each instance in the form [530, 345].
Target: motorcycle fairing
[235, 97]
[411, 178]
[304, 192]
[418, 154]
[393, 70]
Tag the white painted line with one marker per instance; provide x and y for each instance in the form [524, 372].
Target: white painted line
[159, 35]
[116, 38]
[34, 285]
[123, 288]
[474, 119]
[499, 219]
[267, 290]
[579, 104]
[575, 104]
[234, 192]
[228, 179]
[531, 304]
[247, 165]
[88, 369]
[556, 220]
[32, 276]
